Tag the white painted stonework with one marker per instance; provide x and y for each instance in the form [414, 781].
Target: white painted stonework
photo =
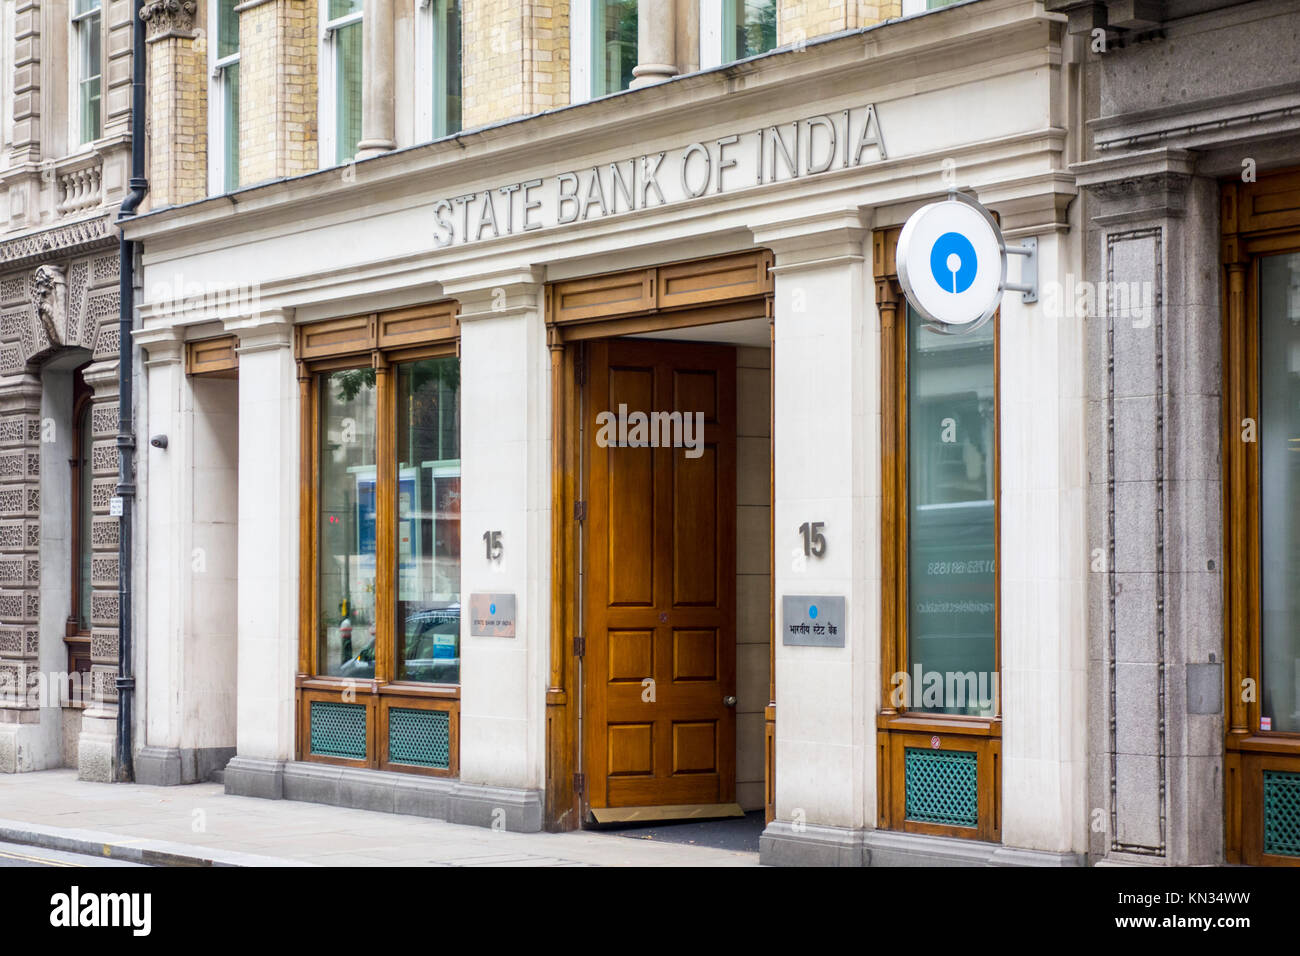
[318, 247]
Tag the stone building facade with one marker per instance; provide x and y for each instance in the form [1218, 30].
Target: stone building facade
[64, 162]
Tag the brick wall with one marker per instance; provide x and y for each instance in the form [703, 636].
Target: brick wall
[277, 97]
[178, 90]
[515, 59]
[805, 19]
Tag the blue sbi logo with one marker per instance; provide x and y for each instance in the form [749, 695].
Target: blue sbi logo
[953, 262]
[812, 611]
[492, 608]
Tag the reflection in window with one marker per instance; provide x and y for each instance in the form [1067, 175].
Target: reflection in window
[447, 68]
[748, 28]
[346, 530]
[344, 28]
[951, 437]
[614, 51]
[225, 92]
[427, 622]
[1279, 481]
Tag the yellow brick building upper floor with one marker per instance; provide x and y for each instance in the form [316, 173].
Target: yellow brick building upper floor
[243, 92]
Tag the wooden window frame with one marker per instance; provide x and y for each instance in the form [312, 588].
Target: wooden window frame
[380, 340]
[1256, 220]
[899, 727]
[75, 636]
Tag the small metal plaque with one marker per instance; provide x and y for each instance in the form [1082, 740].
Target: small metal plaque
[812, 620]
[492, 615]
[115, 506]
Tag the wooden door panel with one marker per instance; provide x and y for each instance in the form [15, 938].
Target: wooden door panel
[695, 655]
[660, 599]
[696, 501]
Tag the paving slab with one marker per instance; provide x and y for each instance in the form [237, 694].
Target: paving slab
[200, 824]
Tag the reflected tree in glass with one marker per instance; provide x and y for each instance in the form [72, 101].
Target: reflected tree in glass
[346, 524]
[427, 621]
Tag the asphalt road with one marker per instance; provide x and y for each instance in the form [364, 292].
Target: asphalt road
[15, 854]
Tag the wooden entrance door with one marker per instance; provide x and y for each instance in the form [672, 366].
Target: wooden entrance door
[660, 581]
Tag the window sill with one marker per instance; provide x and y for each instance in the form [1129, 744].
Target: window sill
[921, 723]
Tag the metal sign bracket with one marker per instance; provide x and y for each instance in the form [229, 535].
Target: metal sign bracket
[1028, 284]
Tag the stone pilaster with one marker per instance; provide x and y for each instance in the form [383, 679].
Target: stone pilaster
[178, 90]
[20, 434]
[1155, 597]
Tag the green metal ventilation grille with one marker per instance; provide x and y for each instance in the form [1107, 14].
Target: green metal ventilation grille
[338, 730]
[1282, 813]
[941, 786]
[421, 738]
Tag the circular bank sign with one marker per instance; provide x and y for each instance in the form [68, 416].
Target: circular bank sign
[952, 263]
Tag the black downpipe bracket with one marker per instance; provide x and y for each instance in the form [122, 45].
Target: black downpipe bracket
[139, 185]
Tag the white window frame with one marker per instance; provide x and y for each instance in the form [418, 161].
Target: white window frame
[580, 65]
[327, 106]
[217, 92]
[913, 7]
[74, 70]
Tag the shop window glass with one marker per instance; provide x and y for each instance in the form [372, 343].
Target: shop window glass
[614, 45]
[346, 564]
[427, 622]
[952, 528]
[1279, 481]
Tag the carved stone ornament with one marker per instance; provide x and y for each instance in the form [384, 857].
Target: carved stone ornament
[169, 17]
[50, 289]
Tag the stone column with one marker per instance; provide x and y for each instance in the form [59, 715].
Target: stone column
[178, 97]
[378, 110]
[656, 34]
[1155, 616]
[826, 419]
[505, 486]
[267, 553]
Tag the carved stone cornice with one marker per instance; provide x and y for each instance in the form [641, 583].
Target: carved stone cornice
[1137, 185]
[169, 18]
[58, 241]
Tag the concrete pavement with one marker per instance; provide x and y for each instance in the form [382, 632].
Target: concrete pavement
[200, 825]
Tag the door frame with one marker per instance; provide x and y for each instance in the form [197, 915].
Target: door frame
[677, 295]
[1253, 223]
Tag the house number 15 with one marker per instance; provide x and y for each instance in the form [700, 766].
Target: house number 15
[492, 541]
[814, 542]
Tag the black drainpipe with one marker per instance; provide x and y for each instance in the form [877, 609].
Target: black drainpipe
[125, 434]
